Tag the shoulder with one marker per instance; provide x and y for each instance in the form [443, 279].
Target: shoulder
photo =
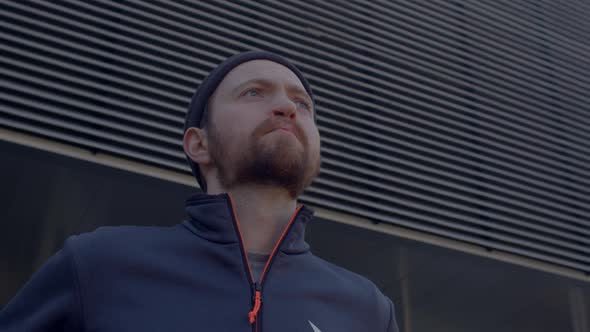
[106, 237]
[111, 252]
[358, 285]
[341, 274]
[113, 243]
[354, 288]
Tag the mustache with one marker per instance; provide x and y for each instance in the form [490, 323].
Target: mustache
[271, 124]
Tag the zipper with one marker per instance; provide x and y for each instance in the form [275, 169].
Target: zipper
[255, 314]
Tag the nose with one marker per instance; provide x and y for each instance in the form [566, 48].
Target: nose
[285, 108]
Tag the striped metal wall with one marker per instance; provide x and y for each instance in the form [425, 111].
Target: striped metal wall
[465, 119]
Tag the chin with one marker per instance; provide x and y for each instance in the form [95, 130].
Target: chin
[279, 160]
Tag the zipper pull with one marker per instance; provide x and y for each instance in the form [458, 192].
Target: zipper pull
[257, 301]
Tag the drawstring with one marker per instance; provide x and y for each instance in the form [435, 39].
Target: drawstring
[252, 314]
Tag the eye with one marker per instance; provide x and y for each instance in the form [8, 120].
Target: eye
[252, 92]
[302, 104]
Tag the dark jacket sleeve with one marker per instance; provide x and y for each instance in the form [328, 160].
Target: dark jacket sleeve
[392, 321]
[49, 301]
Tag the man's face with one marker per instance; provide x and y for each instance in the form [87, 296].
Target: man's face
[261, 128]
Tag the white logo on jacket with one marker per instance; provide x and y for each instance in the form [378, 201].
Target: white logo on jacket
[315, 328]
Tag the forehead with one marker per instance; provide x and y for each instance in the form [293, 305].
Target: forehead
[259, 69]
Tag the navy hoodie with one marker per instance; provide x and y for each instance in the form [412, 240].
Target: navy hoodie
[194, 276]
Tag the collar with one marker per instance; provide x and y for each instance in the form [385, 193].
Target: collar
[211, 217]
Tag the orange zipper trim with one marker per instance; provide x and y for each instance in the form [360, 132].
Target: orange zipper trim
[277, 245]
[233, 208]
[253, 314]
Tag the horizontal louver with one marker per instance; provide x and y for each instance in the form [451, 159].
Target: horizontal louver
[468, 120]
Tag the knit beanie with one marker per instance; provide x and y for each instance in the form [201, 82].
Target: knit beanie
[200, 99]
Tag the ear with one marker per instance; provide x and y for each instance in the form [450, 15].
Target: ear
[195, 146]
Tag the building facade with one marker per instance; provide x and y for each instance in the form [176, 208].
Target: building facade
[455, 139]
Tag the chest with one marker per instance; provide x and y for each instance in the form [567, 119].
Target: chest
[218, 297]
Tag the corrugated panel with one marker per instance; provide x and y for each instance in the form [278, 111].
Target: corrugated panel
[465, 119]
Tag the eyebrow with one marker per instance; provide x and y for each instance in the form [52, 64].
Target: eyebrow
[294, 89]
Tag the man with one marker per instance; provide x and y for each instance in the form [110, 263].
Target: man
[240, 262]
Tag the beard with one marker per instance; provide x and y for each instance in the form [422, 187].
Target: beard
[275, 161]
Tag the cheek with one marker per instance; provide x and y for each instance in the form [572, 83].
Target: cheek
[240, 121]
[314, 140]
[235, 140]
[232, 128]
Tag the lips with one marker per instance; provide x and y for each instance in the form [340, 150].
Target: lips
[287, 129]
[271, 125]
[280, 125]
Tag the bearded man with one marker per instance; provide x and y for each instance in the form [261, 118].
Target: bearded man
[240, 261]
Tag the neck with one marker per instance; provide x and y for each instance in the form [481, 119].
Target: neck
[263, 213]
